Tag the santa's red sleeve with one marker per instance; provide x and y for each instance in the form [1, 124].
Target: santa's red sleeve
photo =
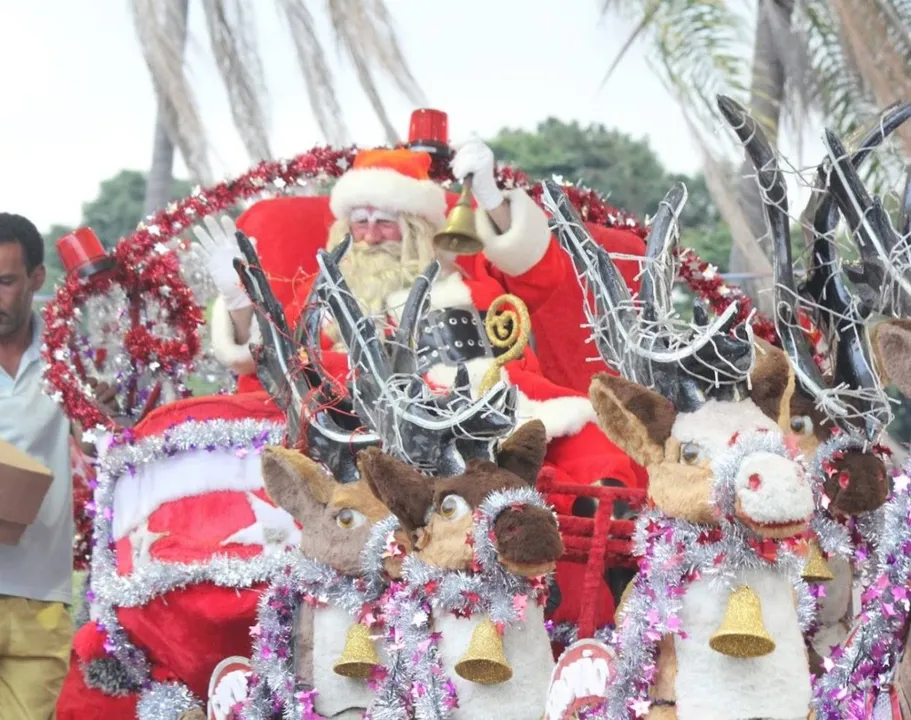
[525, 260]
[560, 327]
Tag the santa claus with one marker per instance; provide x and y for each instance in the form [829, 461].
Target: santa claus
[392, 209]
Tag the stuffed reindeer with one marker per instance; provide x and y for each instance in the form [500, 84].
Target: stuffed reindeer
[839, 416]
[712, 625]
[882, 279]
[482, 542]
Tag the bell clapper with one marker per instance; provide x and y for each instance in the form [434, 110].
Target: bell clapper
[742, 633]
[484, 662]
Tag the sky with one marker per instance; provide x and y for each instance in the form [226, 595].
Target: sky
[79, 104]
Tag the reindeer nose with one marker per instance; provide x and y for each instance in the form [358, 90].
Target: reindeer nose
[528, 535]
[773, 490]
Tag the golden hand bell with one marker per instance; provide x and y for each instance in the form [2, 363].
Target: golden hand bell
[817, 569]
[459, 235]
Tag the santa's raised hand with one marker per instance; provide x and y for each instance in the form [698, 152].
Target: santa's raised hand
[219, 246]
[474, 157]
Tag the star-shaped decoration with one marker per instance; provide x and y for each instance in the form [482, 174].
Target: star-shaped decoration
[273, 529]
[141, 541]
[342, 163]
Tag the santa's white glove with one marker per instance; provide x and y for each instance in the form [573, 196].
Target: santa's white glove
[219, 248]
[232, 689]
[474, 157]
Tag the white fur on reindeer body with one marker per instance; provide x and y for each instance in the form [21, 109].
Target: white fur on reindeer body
[712, 686]
[527, 648]
[835, 608]
[339, 697]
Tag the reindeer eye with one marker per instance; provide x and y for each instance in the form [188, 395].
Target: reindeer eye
[453, 507]
[348, 519]
[690, 453]
[802, 425]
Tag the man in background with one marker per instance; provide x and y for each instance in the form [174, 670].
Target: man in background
[36, 575]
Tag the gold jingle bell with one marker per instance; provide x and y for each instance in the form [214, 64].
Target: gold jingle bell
[742, 633]
[817, 569]
[484, 662]
[359, 657]
[459, 235]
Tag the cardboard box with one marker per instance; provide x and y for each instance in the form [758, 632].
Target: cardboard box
[23, 484]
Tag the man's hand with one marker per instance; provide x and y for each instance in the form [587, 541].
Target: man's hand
[475, 158]
[105, 396]
[219, 246]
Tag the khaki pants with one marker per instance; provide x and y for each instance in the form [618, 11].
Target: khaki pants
[35, 639]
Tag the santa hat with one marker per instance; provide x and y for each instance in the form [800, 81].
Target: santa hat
[395, 181]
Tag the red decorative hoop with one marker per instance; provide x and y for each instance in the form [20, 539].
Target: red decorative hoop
[146, 269]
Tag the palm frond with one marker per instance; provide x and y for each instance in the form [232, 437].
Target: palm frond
[314, 67]
[161, 30]
[699, 46]
[364, 30]
[233, 38]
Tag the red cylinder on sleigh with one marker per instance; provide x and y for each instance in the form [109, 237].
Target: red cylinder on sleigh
[81, 252]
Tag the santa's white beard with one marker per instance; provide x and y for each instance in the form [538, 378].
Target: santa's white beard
[373, 272]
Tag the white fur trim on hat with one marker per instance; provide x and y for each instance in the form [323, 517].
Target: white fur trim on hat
[390, 191]
[226, 349]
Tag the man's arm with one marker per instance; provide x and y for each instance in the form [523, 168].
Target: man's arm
[523, 257]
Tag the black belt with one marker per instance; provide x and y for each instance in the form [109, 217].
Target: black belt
[454, 336]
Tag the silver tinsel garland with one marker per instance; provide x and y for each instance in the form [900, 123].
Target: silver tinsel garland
[859, 674]
[415, 684]
[275, 684]
[674, 551]
[165, 701]
[110, 590]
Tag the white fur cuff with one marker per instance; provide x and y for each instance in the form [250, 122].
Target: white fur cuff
[521, 247]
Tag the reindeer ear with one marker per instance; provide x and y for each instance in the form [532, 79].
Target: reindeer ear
[636, 419]
[398, 486]
[523, 452]
[891, 340]
[772, 381]
[296, 483]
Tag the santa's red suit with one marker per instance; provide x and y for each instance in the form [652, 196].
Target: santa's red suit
[183, 507]
[524, 261]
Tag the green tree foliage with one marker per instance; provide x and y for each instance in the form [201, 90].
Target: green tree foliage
[623, 168]
[114, 213]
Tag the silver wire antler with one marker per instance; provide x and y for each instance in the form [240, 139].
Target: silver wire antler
[643, 339]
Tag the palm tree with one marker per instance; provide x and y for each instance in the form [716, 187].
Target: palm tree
[363, 29]
[841, 60]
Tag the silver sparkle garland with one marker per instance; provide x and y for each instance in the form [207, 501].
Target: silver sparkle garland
[860, 673]
[165, 701]
[415, 685]
[110, 590]
[671, 551]
[274, 680]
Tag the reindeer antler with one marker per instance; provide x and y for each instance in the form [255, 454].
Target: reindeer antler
[885, 271]
[645, 347]
[436, 433]
[842, 403]
[281, 370]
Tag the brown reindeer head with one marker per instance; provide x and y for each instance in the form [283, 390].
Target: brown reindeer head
[439, 513]
[336, 517]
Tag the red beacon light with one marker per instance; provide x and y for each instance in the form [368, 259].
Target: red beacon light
[429, 132]
[81, 252]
